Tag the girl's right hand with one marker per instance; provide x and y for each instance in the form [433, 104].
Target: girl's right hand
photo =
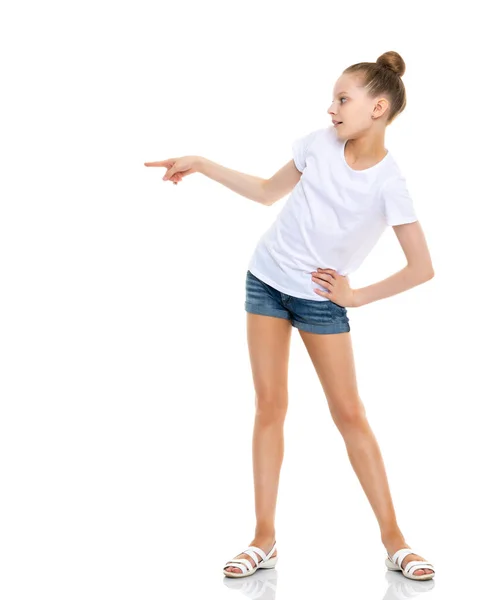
[177, 168]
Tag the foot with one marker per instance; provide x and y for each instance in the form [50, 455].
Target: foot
[264, 543]
[394, 546]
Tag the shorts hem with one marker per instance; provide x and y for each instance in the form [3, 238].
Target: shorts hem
[326, 328]
[267, 312]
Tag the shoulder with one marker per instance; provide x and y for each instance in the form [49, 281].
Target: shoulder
[318, 142]
[392, 176]
[313, 136]
[312, 141]
[305, 145]
[322, 134]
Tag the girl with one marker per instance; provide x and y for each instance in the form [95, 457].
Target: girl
[346, 188]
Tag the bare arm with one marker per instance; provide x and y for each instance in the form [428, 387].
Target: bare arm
[282, 182]
[264, 191]
[418, 270]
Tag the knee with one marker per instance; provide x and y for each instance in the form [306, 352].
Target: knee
[350, 416]
[271, 406]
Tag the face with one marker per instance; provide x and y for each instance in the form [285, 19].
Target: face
[354, 107]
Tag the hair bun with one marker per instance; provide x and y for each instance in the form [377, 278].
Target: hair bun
[392, 60]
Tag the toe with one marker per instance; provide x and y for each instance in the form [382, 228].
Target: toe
[231, 569]
[423, 572]
[417, 572]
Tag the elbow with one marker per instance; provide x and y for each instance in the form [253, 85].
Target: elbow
[427, 276]
[423, 275]
[267, 201]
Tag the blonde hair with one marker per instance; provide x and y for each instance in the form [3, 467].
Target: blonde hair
[384, 77]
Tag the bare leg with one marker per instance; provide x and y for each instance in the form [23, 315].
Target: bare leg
[269, 343]
[332, 356]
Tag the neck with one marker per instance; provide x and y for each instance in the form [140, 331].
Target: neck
[366, 147]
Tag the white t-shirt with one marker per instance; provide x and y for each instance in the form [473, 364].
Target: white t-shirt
[333, 217]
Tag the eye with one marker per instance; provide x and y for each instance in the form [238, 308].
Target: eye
[342, 98]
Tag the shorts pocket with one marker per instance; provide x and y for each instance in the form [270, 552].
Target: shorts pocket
[341, 310]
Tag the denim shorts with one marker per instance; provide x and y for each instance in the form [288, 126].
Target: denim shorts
[316, 316]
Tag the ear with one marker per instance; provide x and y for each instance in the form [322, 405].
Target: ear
[382, 105]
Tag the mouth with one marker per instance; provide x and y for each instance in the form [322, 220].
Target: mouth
[336, 123]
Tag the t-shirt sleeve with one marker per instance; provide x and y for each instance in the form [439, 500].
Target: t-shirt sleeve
[398, 206]
[300, 147]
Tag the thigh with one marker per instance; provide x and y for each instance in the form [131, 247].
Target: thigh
[333, 361]
[269, 344]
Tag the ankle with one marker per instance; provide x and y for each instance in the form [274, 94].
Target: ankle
[265, 535]
[392, 536]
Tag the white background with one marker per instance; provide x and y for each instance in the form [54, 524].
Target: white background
[127, 402]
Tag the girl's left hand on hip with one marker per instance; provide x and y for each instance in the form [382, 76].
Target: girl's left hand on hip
[339, 292]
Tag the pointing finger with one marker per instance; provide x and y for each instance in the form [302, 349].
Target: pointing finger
[158, 163]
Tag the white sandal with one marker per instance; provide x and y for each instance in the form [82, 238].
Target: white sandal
[245, 565]
[393, 563]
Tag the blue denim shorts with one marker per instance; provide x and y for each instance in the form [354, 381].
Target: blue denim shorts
[315, 316]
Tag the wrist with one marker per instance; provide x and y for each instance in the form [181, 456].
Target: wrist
[199, 163]
[357, 298]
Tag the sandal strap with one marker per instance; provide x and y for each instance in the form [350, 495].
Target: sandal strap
[253, 556]
[251, 551]
[236, 566]
[240, 563]
[400, 555]
[244, 564]
[414, 565]
[271, 552]
[261, 553]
